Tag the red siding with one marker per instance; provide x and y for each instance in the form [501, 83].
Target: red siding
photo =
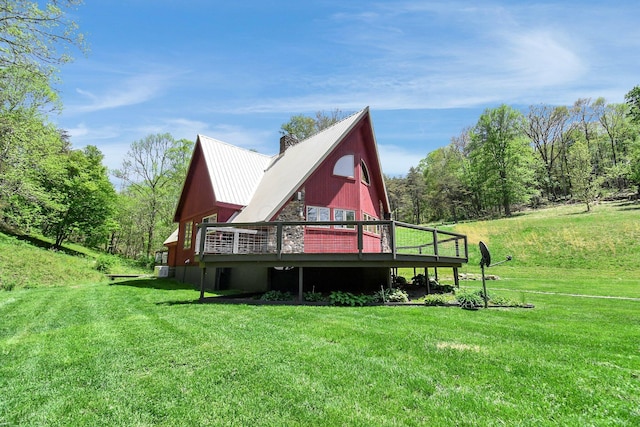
[326, 190]
[197, 202]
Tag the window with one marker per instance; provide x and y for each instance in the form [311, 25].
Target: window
[374, 229]
[315, 213]
[188, 231]
[344, 215]
[344, 166]
[365, 173]
[209, 219]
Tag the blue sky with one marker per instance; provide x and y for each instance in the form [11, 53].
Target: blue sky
[236, 71]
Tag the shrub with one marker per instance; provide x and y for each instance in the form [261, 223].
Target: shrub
[436, 299]
[347, 298]
[313, 296]
[276, 296]
[468, 299]
[441, 289]
[399, 280]
[391, 295]
[502, 301]
[420, 280]
[105, 263]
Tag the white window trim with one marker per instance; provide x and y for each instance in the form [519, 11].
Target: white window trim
[373, 229]
[364, 173]
[344, 213]
[188, 235]
[210, 219]
[345, 166]
[321, 214]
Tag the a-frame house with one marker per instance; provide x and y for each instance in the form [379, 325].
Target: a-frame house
[253, 222]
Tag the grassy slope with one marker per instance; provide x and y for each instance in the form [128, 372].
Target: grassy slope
[27, 264]
[143, 353]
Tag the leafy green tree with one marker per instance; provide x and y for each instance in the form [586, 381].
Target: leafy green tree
[415, 190]
[304, 126]
[153, 172]
[445, 191]
[632, 99]
[584, 184]
[502, 157]
[547, 128]
[37, 34]
[83, 196]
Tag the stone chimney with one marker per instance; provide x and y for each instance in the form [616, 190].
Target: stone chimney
[286, 141]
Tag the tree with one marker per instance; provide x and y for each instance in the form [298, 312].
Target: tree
[584, 185]
[152, 172]
[445, 192]
[501, 155]
[83, 195]
[303, 126]
[415, 189]
[33, 33]
[632, 99]
[547, 127]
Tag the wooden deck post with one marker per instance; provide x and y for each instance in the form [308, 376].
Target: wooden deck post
[203, 273]
[300, 284]
[456, 279]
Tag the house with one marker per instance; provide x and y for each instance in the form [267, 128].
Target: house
[255, 222]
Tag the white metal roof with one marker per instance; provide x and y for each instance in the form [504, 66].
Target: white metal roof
[235, 172]
[290, 170]
[173, 238]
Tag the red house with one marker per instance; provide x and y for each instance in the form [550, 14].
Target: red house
[254, 222]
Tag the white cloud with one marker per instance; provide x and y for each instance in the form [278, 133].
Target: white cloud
[131, 91]
[397, 160]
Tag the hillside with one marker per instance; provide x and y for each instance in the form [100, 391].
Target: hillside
[27, 263]
[563, 249]
[563, 237]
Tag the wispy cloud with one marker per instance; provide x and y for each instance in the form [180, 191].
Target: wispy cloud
[130, 91]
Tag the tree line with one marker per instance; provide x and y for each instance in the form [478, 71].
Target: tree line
[506, 160]
[510, 159]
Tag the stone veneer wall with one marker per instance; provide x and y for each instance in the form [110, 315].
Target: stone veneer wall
[293, 236]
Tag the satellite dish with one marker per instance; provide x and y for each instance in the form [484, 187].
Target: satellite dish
[486, 256]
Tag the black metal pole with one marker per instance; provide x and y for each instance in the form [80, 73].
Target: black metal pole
[484, 287]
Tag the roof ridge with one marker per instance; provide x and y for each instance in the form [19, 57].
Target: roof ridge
[334, 124]
[234, 146]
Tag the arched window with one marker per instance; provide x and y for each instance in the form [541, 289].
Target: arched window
[365, 173]
[344, 166]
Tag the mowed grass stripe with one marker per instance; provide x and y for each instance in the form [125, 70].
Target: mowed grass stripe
[129, 356]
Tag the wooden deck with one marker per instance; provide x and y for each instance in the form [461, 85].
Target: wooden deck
[329, 244]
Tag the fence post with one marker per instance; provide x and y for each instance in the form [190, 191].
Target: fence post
[392, 226]
[279, 240]
[435, 242]
[360, 240]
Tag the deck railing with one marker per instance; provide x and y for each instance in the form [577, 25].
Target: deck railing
[328, 237]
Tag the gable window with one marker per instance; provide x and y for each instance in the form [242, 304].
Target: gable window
[209, 219]
[344, 166]
[344, 215]
[364, 174]
[188, 231]
[316, 213]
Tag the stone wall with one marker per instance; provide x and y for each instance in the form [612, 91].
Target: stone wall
[293, 235]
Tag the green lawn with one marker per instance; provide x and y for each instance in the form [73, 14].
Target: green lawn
[139, 353]
[144, 352]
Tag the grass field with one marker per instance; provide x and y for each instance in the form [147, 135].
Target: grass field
[143, 352]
